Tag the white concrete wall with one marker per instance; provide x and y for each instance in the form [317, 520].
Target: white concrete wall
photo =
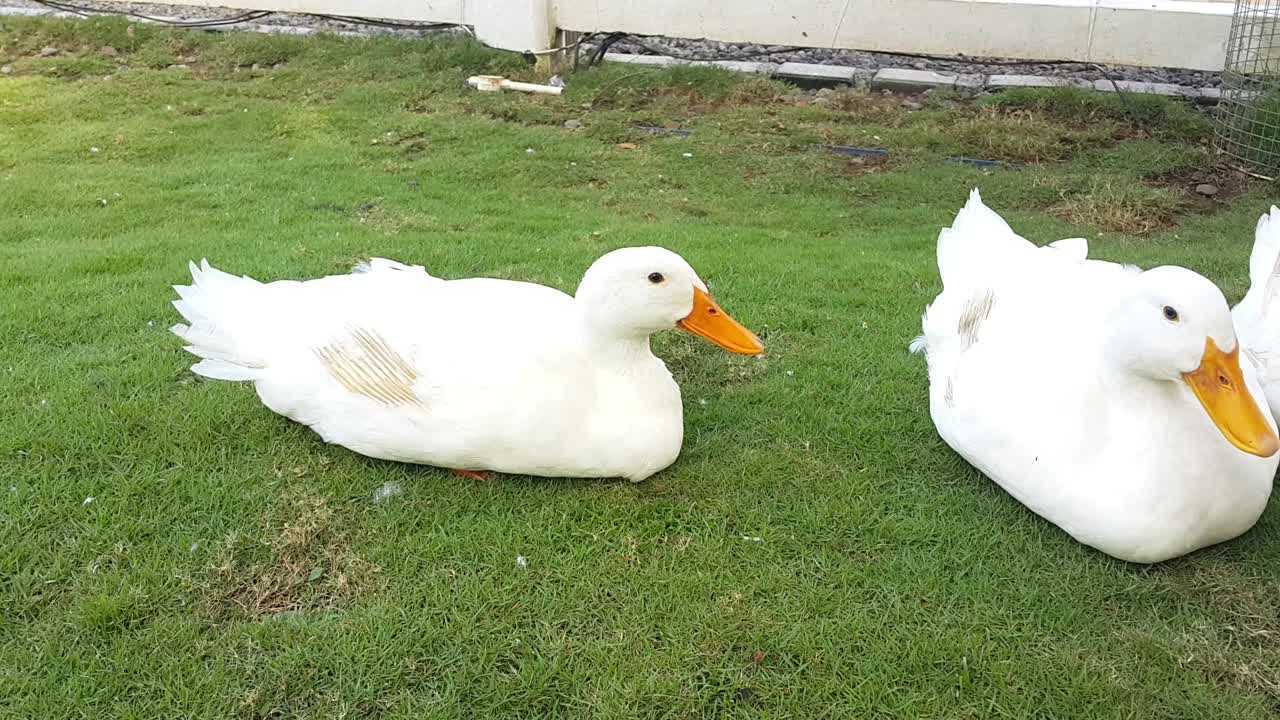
[1170, 33]
[1173, 33]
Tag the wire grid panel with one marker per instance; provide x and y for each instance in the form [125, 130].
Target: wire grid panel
[1248, 118]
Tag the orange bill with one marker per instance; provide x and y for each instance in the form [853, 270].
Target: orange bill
[1219, 386]
[714, 324]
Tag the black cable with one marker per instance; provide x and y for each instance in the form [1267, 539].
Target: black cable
[385, 23]
[209, 22]
[603, 48]
[236, 19]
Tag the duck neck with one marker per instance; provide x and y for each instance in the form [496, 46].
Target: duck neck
[615, 346]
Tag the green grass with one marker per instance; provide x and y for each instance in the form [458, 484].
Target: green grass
[232, 565]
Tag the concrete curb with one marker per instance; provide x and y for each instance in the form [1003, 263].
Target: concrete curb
[904, 80]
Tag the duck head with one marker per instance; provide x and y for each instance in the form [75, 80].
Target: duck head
[1176, 326]
[635, 292]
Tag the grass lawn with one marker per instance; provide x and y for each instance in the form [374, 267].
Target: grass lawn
[169, 548]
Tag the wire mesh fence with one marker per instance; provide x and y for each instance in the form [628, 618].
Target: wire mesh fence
[1248, 119]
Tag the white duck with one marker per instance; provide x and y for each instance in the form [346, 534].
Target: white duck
[470, 375]
[1108, 400]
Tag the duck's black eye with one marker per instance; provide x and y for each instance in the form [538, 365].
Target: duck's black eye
[1170, 313]
[655, 278]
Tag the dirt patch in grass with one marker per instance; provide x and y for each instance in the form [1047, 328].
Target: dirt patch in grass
[1244, 651]
[860, 165]
[859, 106]
[299, 561]
[1204, 189]
[519, 109]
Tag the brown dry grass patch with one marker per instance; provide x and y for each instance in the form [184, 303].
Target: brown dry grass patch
[1021, 136]
[860, 106]
[298, 561]
[1118, 206]
[1243, 653]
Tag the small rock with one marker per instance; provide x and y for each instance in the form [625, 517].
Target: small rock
[824, 92]
[1207, 189]
[912, 105]
[6, 70]
[572, 124]
[48, 52]
[109, 51]
[626, 146]
[255, 66]
[277, 66]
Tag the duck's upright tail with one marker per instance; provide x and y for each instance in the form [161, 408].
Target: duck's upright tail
[977, 241]
[1264, 262]
[1257, 317]
[223, 314]
[972, 253]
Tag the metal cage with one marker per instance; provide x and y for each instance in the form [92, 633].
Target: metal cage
[1248, 117]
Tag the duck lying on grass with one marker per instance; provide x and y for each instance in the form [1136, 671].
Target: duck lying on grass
[471, 375]
[1112, 402]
